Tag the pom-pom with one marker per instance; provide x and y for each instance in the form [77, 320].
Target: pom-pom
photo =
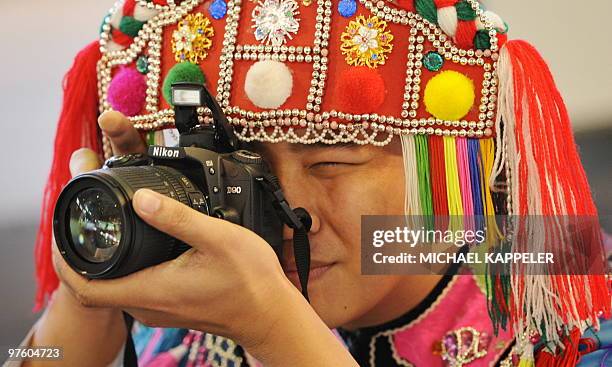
[268, 84]
[449, 96]
[127, 92]
[183, 72]
[360, 90]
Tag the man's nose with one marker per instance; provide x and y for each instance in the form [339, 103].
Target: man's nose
[299, 195]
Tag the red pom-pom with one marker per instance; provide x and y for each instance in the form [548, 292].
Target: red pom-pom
[127, 92]
[360, 90]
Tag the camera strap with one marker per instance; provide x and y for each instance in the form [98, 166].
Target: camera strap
[300, 221]
[129, 354]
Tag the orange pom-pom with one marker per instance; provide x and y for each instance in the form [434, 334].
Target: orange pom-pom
[360, 90]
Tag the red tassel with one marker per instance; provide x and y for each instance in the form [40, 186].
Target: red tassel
[77, 128]
[564, 357]
[548, 180]
[438, 175]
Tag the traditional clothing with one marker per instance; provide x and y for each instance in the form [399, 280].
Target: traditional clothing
[484, 131]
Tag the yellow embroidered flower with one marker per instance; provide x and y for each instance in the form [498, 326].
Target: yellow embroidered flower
[366, 42]
[192, 39]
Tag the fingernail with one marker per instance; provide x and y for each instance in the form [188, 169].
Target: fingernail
[147, 201]
[109, 122]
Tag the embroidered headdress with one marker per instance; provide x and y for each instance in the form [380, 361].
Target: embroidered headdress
[475, 113]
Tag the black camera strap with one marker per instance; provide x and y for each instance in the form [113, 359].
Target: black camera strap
[300, 221]
[130, 359]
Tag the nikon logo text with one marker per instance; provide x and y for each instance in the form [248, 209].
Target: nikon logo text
[163, 152]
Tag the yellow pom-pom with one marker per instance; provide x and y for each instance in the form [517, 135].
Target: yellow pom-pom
[449, 96]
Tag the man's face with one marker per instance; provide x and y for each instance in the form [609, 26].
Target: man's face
[338, 184]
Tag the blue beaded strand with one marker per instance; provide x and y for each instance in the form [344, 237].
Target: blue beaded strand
[218, 9]
[347, 8]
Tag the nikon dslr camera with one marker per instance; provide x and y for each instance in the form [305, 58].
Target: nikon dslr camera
[100, 235]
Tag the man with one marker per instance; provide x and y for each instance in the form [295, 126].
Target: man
[420, 100]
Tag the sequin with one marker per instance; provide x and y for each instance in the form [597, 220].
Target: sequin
[218, 9]
[347, 8]
[275, 20]
[433, 61]
[142, 64]
[192, 39]
[366, 42]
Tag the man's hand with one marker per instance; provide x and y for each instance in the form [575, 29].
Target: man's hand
[230, 283]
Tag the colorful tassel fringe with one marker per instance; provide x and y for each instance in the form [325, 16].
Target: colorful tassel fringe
[446, 177]
[537, 152]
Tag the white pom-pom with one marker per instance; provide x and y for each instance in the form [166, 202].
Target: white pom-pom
[447, 19]
[142, 13]
[268, 83]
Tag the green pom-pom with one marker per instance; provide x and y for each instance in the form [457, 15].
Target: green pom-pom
[183, 72]
[427, 9]
[130, 26]
[482, 40]
[465, 11]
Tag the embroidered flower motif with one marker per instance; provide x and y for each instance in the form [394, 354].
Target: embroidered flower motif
[366, 42]
[275, 21]
[192, 39]
[462, 346]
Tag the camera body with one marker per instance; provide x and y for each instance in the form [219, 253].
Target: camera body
[100, 235]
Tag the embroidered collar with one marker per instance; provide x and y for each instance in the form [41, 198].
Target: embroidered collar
[449, 327]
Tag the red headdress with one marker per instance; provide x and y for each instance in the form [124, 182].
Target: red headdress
[474, 111]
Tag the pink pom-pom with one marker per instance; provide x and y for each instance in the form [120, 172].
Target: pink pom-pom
[127, 91]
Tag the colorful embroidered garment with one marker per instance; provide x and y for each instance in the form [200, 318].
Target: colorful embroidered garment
[448, 328]
[479, 116]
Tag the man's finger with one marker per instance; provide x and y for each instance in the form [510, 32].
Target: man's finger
[121, 292]
[123, 136]
[83, 160]
[180, 221]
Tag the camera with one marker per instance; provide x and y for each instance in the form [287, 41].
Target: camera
[100, 235]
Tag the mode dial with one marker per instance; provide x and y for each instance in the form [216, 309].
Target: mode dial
[247, 157]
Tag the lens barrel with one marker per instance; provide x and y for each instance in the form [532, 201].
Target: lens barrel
[97, 230]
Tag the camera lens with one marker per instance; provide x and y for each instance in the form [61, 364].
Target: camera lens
[99, 234]
[95, 225]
